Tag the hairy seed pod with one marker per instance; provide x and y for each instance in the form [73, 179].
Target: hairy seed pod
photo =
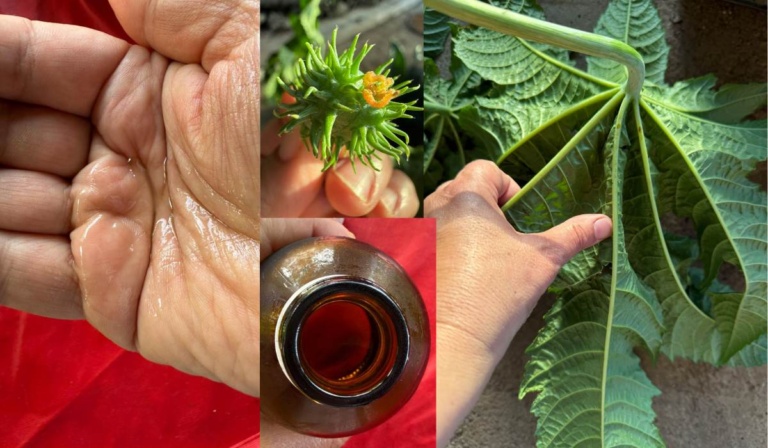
[337, 106]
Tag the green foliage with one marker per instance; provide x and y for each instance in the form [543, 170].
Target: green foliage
[280, 64]
[436, 30]
[579, 143]
[337, 105]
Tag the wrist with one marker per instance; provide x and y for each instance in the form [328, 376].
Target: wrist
[465, 364]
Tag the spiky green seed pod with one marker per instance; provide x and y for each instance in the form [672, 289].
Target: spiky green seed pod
[338, 106]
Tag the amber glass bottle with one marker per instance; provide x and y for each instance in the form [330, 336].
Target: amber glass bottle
[344, 337]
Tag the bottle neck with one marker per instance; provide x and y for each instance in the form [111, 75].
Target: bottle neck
[342, 341]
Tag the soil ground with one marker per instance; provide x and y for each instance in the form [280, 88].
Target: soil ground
[700, 406]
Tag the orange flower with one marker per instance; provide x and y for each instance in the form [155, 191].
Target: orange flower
[376, 90]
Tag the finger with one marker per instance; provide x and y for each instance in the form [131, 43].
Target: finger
[128, 114]
[443, 186]
[488, 180]
[190, 30]
[355, 191]
[564, 241]
[481, 182]
[42, 139]
[212, 125]
[289, 189]
[34, 202]
[277, 233]
[36, 275]
[59, 66]
[399, 199]
[113, 220]
[320, 208]
[290, 145]
[270, 138]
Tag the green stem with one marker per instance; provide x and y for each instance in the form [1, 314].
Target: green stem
[583, 132]
[432, 106]
[462, 158]
[656, 216]
[518, 25]
[616, 197]
[432, 145]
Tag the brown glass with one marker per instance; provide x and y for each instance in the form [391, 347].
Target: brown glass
[344, 337]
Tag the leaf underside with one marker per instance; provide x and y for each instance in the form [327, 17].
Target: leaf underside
[578, 145]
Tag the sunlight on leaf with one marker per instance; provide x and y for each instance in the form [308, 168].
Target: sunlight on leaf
[578, 143]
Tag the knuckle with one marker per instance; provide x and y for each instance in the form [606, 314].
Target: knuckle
[478, 169]
[25, 57]
[554, 253]
[581, 236]
[571, 240]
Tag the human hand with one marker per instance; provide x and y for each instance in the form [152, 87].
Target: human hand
[294, 185]
[129, 187]
[489, 279]
[276, 233]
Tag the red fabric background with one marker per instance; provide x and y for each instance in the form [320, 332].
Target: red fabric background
[62, 384]
[412, 243]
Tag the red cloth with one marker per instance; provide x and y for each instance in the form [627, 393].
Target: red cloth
[64, 385]
[412, 243]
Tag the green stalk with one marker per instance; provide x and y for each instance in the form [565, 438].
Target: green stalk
[434, 106]
[518, 25]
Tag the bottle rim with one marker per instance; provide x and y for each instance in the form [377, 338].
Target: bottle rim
[385, 362]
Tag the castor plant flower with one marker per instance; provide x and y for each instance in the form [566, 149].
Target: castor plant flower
[376, 90]
[338, 106]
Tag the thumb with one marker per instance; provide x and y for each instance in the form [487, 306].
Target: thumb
[189, 30]
[577, 234]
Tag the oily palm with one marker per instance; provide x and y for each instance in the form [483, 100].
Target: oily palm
[129, 190]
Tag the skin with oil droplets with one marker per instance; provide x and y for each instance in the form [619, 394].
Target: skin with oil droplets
[160, 248]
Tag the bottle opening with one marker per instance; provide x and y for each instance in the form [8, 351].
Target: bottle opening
[336, 340]
[349, 342]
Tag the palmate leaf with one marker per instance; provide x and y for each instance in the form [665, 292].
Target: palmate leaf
[592, 391]
[704, 168]
[579, 144]
[446, 98]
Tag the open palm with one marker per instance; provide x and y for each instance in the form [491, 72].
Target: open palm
[129, 184]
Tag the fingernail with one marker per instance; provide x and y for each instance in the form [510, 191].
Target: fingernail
[389, 201]
[603, 228]
[359, 183]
